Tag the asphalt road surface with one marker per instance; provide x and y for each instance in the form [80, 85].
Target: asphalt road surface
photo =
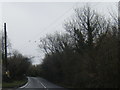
[37, 83]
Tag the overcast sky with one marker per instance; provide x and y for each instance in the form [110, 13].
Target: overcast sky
[29, 21]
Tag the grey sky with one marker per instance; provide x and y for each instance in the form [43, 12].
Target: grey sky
[27, 22]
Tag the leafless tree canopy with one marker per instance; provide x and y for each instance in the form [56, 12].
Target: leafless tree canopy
[86, 55]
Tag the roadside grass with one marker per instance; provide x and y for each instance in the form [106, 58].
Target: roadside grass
[14, 84]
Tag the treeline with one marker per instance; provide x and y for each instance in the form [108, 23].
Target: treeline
[86, 56]
[17, 67]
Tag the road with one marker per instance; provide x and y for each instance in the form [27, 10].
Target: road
[37, 83]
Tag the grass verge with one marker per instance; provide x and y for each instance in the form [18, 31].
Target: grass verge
[14, 84]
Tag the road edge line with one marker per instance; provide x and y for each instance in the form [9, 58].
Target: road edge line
[24, 85]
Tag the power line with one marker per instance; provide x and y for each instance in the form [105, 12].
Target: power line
[54, 22]
[57, 19]
[51, 24]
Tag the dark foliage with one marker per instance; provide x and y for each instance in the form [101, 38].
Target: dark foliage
[86, 56]
[17, 67]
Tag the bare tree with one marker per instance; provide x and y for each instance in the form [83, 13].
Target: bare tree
[88, 24]
[87, 56]
[55, 43]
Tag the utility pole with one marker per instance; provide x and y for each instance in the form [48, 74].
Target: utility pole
[119, 29]
[5, 34]
[3, 57]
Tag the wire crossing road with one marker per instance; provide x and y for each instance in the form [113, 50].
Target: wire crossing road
[37, 83]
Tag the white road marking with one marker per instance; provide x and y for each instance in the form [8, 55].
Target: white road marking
[25, 84]
[43, 85]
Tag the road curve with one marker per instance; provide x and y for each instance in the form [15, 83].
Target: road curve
[37, 83]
